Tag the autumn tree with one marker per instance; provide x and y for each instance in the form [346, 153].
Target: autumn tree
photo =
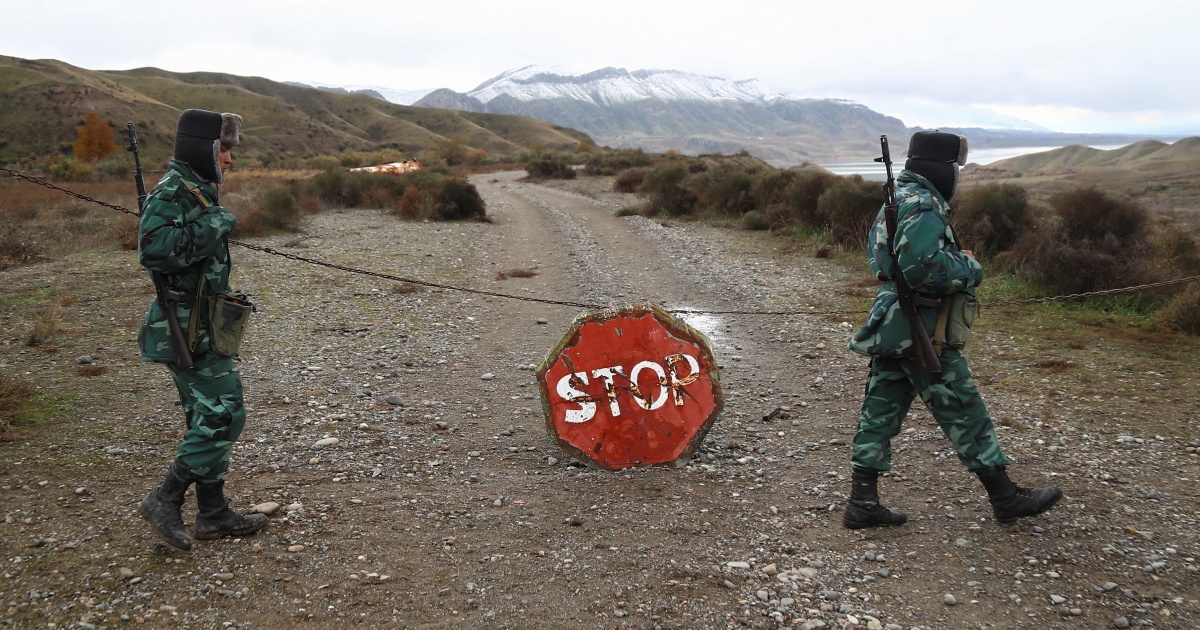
[95, 139]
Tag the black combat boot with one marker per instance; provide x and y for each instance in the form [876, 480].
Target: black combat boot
[863, 509]
[1010, 501]
[161, 508]
[215, 520]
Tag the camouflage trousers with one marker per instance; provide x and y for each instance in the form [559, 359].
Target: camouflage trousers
[212, 401]
[952, 398]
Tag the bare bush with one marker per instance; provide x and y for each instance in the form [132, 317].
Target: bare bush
[629, 180]
[991, 217]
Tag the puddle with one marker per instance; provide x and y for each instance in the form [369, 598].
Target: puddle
[713, 326]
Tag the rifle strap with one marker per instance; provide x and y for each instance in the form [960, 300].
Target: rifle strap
[195, 190]
[194, 318]
[939, 332]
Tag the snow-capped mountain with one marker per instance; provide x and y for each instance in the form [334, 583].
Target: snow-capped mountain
[660, 110]
[611, 86]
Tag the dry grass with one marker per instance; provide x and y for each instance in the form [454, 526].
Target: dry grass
[39, 224]
[48, 324]
[515, 273]
[14, 396]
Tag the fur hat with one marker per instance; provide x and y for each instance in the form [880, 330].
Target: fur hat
[198, 139]
[936, 156]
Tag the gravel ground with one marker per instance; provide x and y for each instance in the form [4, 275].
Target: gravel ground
[396, 439]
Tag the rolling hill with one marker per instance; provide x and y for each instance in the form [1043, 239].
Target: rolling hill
[1146, 153]
[43, 101]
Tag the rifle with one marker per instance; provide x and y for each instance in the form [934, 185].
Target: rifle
[926, 356]
[167, 297]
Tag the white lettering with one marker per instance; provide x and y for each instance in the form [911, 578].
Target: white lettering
[566, 389]
[677, 383]
[635, 391]
[607, 375]
[669, 381]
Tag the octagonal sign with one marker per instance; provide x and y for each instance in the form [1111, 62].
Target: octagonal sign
[633, 386]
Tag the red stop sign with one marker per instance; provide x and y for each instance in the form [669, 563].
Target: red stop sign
[633, 386]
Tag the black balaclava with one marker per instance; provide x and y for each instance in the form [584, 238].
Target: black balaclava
[198, 139]
[936, 156]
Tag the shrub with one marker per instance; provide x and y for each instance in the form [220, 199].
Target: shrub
[125, 233]
[847, 209]
[752, 220]
[725, 188]
[1181, 314]
[549, 168]
[71, 169]
[664, 187]
[1178, 248]
[416, 204]
[789, 197]
[275, 211]
[613, 162]
[990, 218]
[322, 162]
[459, 199]
[1050, 258]
[629, 180]
[327, 186]
[1090, 215]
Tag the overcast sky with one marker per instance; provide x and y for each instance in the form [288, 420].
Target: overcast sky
[1098, 66]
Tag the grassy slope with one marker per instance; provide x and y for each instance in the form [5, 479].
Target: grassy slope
[42, 102]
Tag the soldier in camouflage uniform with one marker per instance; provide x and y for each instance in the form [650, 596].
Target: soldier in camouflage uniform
[929, 256]
[183, 235]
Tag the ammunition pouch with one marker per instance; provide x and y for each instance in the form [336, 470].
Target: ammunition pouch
[227, 318]
[962, 308]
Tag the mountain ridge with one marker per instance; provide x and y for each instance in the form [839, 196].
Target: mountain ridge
[42, 102]
[663, 110]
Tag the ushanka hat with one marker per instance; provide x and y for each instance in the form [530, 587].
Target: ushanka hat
[198, 139]
[936, 156]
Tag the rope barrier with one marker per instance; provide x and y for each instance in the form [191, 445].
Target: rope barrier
[580, 305]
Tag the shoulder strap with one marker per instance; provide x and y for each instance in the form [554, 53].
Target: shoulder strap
[195, 190]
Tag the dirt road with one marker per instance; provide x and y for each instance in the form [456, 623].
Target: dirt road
[443, 504]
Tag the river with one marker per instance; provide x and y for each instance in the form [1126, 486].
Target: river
[875, 171]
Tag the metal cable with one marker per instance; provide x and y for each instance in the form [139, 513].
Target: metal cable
[581, 305]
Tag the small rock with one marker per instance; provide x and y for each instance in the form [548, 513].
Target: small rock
[295, 548]
[394, 400]
[125, 573]
[737, 564]
[1121, 622]
[268, 508]
[488, 376]
[543, 321]
[84, 360]
[949, 600]
[770, 569]
[329, 441]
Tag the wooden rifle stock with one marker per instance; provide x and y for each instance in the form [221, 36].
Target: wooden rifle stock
[167, 298]
[926, 357]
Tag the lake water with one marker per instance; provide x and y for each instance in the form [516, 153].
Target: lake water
[874, 171]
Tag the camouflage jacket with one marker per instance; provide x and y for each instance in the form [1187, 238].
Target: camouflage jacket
[182, 234]
[930, 259]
